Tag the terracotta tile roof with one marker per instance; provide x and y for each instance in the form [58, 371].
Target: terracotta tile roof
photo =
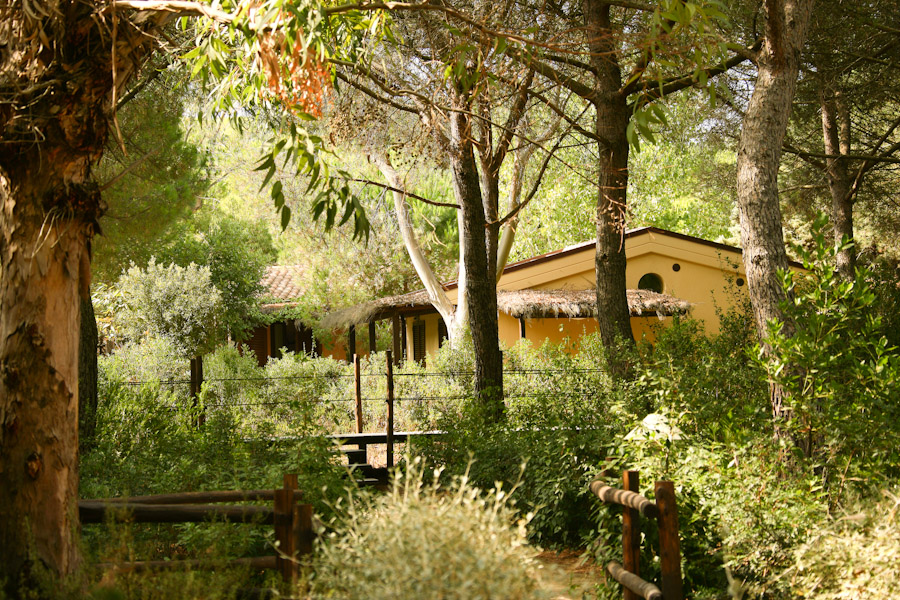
[281, 282]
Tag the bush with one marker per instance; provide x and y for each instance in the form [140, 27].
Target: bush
[425, 541]
[178, 303]
[837, 370]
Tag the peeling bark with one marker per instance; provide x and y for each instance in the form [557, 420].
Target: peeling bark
[59, 74]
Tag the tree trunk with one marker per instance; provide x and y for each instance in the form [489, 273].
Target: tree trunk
[87, 375]
[613, 317]
[836, 133]
[44, 251]
[759, 156]
[479, 267]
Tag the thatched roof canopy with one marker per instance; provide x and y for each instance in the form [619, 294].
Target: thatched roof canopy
[580, 304]
[527, 304]
[374, 310]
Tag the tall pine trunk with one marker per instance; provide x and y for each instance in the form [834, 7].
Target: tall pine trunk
[613, 317]
[479, 266]
[836, 134]
[759, 156]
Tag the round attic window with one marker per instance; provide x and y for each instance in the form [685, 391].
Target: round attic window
[652, 282]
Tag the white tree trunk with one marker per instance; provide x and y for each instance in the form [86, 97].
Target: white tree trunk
[453, 316]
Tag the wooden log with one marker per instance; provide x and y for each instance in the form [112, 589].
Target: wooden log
[141, 566]
[357, 390]
[625, 498]
[669, 545]
[390, 412]
[197, 497]
[633, 583]
[631, 535]
[92, 511]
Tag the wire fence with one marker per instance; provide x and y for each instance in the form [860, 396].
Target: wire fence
[330, 400]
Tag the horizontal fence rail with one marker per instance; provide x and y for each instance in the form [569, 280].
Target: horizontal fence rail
[665, 511]
[198, 497]
[293, 523]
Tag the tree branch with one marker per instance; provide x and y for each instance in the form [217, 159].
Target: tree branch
[406, 193]
[180, 7]
[676, 84]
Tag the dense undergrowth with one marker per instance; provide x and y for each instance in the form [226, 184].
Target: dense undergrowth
[809, 513]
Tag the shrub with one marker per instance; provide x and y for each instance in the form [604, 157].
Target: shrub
[425, 541]
[178, 303]
[838, 372]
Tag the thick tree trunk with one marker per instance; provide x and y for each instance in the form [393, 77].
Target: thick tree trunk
[613, 318]
[44, 253]
[479, 267]
[759, 156]
[836, 133]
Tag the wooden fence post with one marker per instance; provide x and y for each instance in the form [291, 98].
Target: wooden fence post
[669, 546]
[390, 411]
[196, 386]
[631, 536]
[303, 529]
[286, 530]
[357, 379]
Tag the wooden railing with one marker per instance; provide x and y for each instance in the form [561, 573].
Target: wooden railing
[665, 511]
[291, 519]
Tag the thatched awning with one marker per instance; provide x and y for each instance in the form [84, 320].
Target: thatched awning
[582, 304]
[526, 304]
[374, 310]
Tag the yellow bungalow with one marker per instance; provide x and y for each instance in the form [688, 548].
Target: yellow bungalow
[551, 296]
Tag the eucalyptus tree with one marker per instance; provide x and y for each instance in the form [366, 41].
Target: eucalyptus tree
[64, 65]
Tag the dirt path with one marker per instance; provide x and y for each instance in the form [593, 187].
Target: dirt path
[565, 576]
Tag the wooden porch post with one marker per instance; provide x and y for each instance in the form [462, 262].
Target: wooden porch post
[398, 342]
[521, 328]
[403, 343]
[372, 345]
[351, 343]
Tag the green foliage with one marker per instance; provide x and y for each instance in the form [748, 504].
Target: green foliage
[271, 57]
[425, 540]
[837, 370]
[236, 252]
[180, 304]
[154, 185]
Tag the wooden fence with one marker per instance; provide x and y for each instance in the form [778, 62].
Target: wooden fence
[291, 519]
[665, 511]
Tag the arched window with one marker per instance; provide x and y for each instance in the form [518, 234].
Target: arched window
[652, 282]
